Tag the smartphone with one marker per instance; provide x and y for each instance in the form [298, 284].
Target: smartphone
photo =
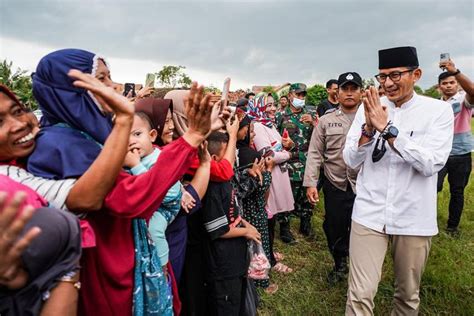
[233, 108]
[268, 153]
[150, 80]
[443, 57]
[129, 87]
[225, 92]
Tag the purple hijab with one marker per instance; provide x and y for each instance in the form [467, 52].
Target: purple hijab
[73, 126]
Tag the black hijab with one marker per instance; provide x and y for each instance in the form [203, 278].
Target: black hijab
[246, 154]
[53, 254]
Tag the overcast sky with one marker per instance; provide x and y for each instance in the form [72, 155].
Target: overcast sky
[253, 42]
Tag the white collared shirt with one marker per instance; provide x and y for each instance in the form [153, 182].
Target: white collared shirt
[397, 194]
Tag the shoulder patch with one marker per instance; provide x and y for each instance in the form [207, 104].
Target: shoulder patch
[330, 110]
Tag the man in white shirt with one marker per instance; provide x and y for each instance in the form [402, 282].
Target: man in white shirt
[400, 141]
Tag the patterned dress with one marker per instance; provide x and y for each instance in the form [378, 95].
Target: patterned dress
[254, 212]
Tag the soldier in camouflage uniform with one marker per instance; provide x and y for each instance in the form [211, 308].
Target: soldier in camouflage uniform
[298, 121]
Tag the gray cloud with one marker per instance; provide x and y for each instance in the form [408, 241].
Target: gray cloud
[262, 42]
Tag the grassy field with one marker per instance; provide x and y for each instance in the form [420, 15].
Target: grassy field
[447, 285]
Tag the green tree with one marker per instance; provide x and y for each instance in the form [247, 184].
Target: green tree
[270, 89]
[212, 89]
[368, 82]
[172, 76]
[19, 82]
[433, 92]
[316, 94]
[418, 89]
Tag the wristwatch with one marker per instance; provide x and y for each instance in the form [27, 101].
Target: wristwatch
[367, 134]
[457, 72]
[389, 132]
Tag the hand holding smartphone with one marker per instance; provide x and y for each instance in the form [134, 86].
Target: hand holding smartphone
[225, 92]
[150, 80]
[129, 87]
[443, 58]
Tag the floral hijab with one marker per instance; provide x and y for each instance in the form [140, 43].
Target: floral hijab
[256, 111]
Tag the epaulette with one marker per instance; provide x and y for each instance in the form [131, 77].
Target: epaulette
[331, 110]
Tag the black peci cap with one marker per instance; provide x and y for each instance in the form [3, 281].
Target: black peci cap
[405, 56]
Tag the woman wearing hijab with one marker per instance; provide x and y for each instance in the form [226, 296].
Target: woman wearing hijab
[268, 140]
[46, 281]
[86, 193]
[18, 142]
[75, 127]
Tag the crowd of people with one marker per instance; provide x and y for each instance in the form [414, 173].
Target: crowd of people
[168, 205]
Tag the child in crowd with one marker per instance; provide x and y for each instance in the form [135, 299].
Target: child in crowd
[141, 158]
[254, 204]
[225, 246]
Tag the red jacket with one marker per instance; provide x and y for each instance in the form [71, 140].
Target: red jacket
[107, 269]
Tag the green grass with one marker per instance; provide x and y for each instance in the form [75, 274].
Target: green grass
[447, 287]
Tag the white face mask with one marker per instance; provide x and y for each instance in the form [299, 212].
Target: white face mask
[298, 103]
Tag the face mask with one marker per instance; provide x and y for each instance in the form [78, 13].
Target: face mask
[298, 103]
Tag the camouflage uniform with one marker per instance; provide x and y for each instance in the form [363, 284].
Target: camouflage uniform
[300, 134]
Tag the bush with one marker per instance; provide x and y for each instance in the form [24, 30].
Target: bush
[316, 94]
[433, 92]
[19, 82]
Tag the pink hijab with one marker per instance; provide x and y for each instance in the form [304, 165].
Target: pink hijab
[11, 187]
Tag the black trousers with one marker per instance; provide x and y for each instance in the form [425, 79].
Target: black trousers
[271, 235]
[226, 297]
[337, 220]
[458, 170]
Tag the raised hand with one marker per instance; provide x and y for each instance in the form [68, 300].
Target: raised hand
[198, 108]
[203, 153]
[376, 114]
[220, 115]
[109, 99]
[232, 128]
[12, 221]
[448, 65]
[144, 92]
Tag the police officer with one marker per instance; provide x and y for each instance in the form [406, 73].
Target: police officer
[298, 122]
[325, 149]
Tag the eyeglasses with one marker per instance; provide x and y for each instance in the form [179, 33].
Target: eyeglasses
[394, 76]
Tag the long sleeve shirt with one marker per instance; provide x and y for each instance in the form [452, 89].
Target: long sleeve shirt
[325, 149]
[397, 194]
[280, 198]
[107, 270]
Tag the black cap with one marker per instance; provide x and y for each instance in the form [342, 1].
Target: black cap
[241, 103]
[349, 77]
[405, 56]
